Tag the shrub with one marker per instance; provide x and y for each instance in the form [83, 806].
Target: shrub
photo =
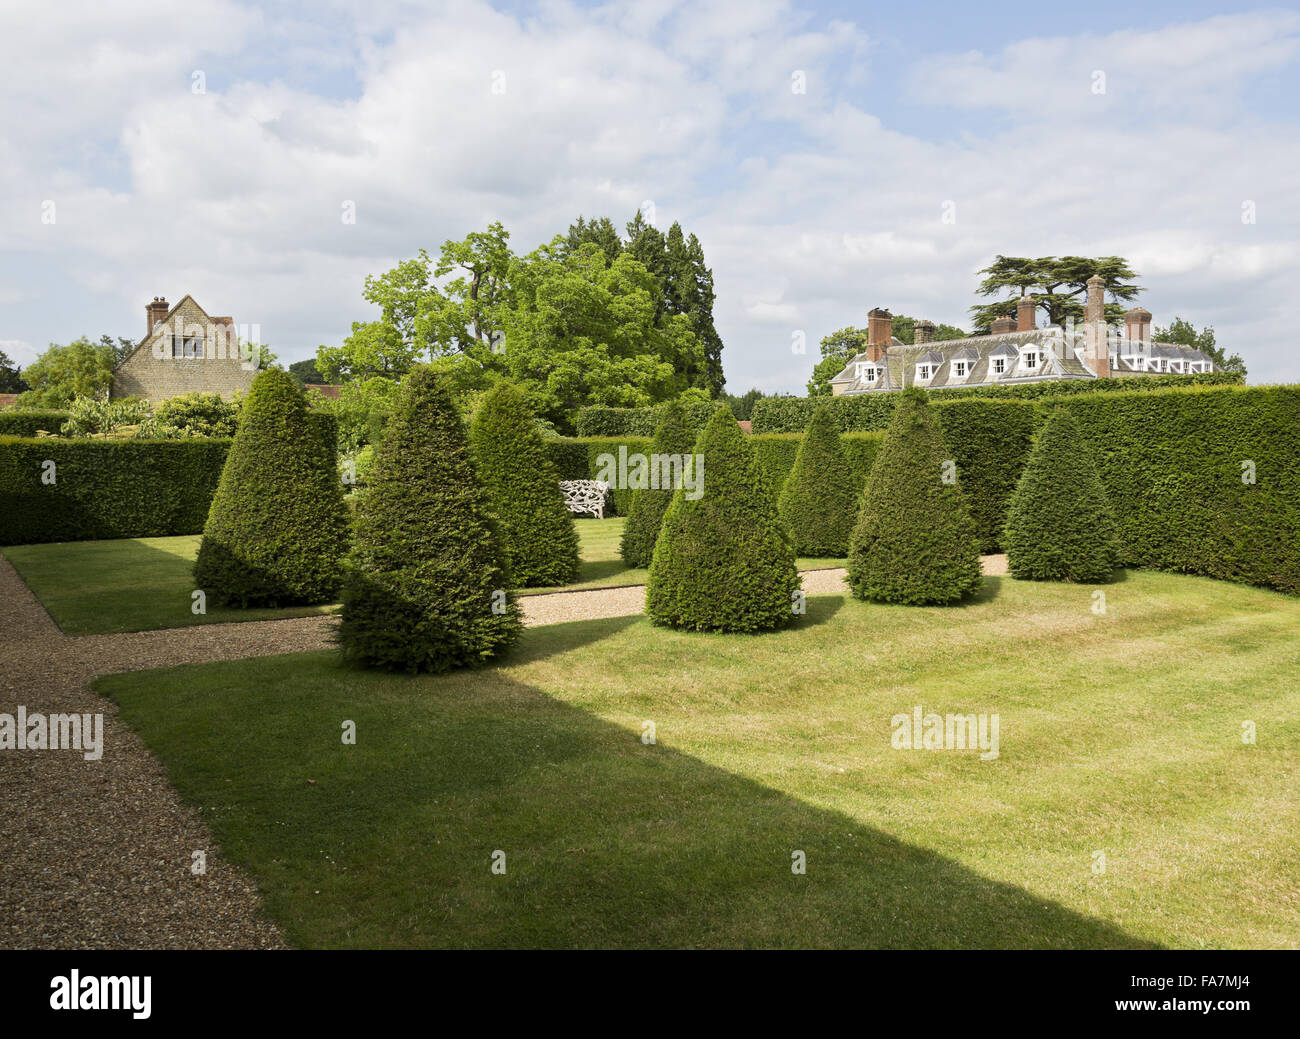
[105, 488]
[277, 531]
[915, 542]
[674, 437]
[599, 421]
[536, 526]
[27, 423]
[426, 586]
[1061, 527]
[192, 415]
[819, 500]
[99, 416]
[723, 562]
[1202, 481]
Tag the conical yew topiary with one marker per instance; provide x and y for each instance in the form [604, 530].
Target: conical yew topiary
[819, 502]
[723, 561]
[673, 437]
[277, 529]
[536, 527]
[426, 586]
[914, 542]
[1060, 526]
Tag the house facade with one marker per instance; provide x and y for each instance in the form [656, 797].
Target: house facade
[1016, 351]
[184, 350]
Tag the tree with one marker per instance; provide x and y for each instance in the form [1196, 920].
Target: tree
[63, 373]
[11, 375]
[277, 530]
[689, 291]
[306, 373]
[915, 542]
[120, 347]
[743, 407]
[674, 437]
[598, 232]
[1059, 285]
[1185, 332]
[375, 348]
[723, 561]
[1060, 526]
[427, 582]
[818, 502]
[523, 490]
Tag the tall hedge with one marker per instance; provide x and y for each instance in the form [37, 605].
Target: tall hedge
[1203, 481]
[673, 437]
[427, 581]
[105, 488]
[14, 423]
[915, 542]
[863, 412]
[600, 421]
[524, 491]
[1061, 526]
[723, 561]
[277, 531]
[819, 501]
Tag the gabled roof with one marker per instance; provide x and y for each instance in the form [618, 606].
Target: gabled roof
[162, 321]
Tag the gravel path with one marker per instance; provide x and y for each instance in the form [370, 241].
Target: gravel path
[97, 854]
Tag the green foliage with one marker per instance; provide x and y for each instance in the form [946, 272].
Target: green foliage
[11, 375]
[579, 458]
[818, 503]
[723, 562]
[91, 416]
[536, 527]
[914, 542]
[598, 421]
[1177, 465]
[675, 436]
[426, 587]
[374, 349]
[1059, 285]
[863, 412]
[277, 531]
[105, 488]
[361, 410]
[27, 422]
[192, 415]
[1060, 526]
[63, 373]
[306, 372]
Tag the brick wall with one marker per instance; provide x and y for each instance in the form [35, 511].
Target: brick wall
[142, 374]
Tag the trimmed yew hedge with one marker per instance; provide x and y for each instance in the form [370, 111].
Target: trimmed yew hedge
[27, 423]
[106, 488]
[866, 412]
[1173, 465]
[599, 421]
[818, 503]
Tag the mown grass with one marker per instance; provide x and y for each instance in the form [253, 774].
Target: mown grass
[1119, 733]
[100, 587]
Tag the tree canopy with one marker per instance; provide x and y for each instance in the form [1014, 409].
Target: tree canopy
[1059, 285]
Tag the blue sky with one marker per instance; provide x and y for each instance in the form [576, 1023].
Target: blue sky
[812, 207]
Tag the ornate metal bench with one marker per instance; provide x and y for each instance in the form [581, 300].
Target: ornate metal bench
[585, 496]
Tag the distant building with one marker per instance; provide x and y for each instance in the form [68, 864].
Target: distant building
[1016, 352]
[183, 351]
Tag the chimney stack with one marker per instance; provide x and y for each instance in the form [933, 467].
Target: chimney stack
[1002, 325]
[1096, 344]
[880, 324]
[1137, 324]
[1025, 308]
[923, 333]
[154, 312]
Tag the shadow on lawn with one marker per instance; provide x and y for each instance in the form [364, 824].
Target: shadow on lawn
[608, 842]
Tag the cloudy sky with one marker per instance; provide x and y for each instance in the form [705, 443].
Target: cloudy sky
[813, 206]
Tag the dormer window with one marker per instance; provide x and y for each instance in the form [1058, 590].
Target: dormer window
[1029, 358]
[868, 371]
[999, 365]
[923, 371]
[959, 369]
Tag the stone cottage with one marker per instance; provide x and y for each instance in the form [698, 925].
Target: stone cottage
[1016, 351]
[184, 350]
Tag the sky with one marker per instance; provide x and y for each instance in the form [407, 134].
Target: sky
[830, 157]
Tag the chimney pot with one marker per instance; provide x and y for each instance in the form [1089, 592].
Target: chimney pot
[154, 312]
[1002, 325]
[880, 324]
[1137, 324]
[923, 333]
[1025, 308]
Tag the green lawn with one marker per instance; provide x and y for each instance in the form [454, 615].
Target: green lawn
[98, 587]
[1119, 734]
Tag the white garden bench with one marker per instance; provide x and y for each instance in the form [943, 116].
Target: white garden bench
[585, 496]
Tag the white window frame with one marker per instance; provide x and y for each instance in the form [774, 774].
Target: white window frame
[1029, 359]
[923, 372]
[999, 366]
[959, 369]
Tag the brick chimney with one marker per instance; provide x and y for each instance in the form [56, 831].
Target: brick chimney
[154, 312]
[1002, 325]
[1137, 324]
[1025, 321]
[880, 334]
[923, 332]
[1096, 347]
